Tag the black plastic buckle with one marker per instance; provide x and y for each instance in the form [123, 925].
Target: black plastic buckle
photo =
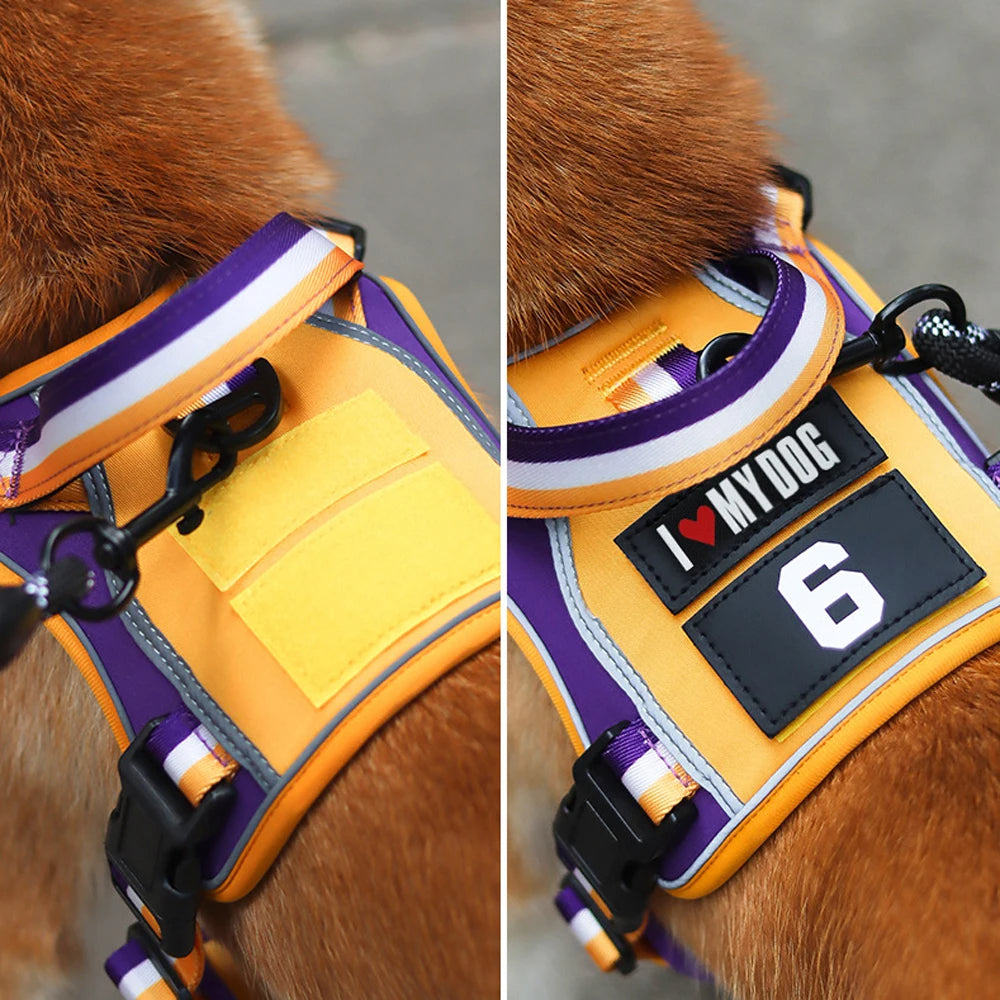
[601, 830]
[141, 933]
[154, 839]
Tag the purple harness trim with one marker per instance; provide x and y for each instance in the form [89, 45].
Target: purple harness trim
[597, 700]
[598, 703]
[384, 314]
[533, 579]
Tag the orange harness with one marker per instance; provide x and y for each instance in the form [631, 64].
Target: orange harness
[301, 581]
[727, 577]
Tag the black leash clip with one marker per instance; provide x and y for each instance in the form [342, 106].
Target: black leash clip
[242, 418]
[884, 339]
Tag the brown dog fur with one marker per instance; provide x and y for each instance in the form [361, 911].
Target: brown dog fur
[135, 149]
[884, 883]
[636, 150]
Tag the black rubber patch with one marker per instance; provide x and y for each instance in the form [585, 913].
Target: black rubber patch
[816, 606]
[688, 540]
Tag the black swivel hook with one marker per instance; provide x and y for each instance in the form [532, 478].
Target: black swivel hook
[242, 418]
[884, 339]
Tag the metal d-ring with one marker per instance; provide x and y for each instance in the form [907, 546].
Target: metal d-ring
[108, 552]
[718, 351]
[878, 345]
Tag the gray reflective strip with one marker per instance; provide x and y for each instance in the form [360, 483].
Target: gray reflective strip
[366, 336]
[856, 702]
[618, 668]
[550, 665]
[933, 422]
[158, 650]
[453, 379]
[517, 412]
[732, 292]
[331, 726]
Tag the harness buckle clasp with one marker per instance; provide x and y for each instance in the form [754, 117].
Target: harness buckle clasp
[153, 948]
[602, 832]
[154, 839]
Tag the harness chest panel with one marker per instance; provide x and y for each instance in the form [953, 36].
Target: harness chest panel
[347, 562]
[808, 561]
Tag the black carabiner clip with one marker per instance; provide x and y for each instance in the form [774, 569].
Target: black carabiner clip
[209, 426]
[207, 429]
[888, 338]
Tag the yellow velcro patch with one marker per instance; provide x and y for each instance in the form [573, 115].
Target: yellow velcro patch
[370, 575]
[294, 478]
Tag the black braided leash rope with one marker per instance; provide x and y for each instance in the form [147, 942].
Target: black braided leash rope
[971, 355]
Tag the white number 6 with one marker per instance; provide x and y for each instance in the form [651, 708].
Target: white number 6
[813, 605]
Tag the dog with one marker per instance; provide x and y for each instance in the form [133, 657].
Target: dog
[636, 154]
[139, 148]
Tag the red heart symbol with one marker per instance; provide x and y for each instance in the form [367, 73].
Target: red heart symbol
[701, 528]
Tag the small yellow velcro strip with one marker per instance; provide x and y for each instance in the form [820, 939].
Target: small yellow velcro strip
[370, 575]
[293, 479]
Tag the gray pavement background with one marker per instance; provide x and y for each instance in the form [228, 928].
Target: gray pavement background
[403, 97]
[891, 109]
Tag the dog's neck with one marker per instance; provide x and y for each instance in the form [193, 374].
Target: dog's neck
[120, 171]
[625, 169]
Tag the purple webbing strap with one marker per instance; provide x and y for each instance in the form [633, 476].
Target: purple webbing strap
[673, 952]
[588, 932]
[586, 928]
[681, 363]
[131, 970]
[993, 468]
[207, 326]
